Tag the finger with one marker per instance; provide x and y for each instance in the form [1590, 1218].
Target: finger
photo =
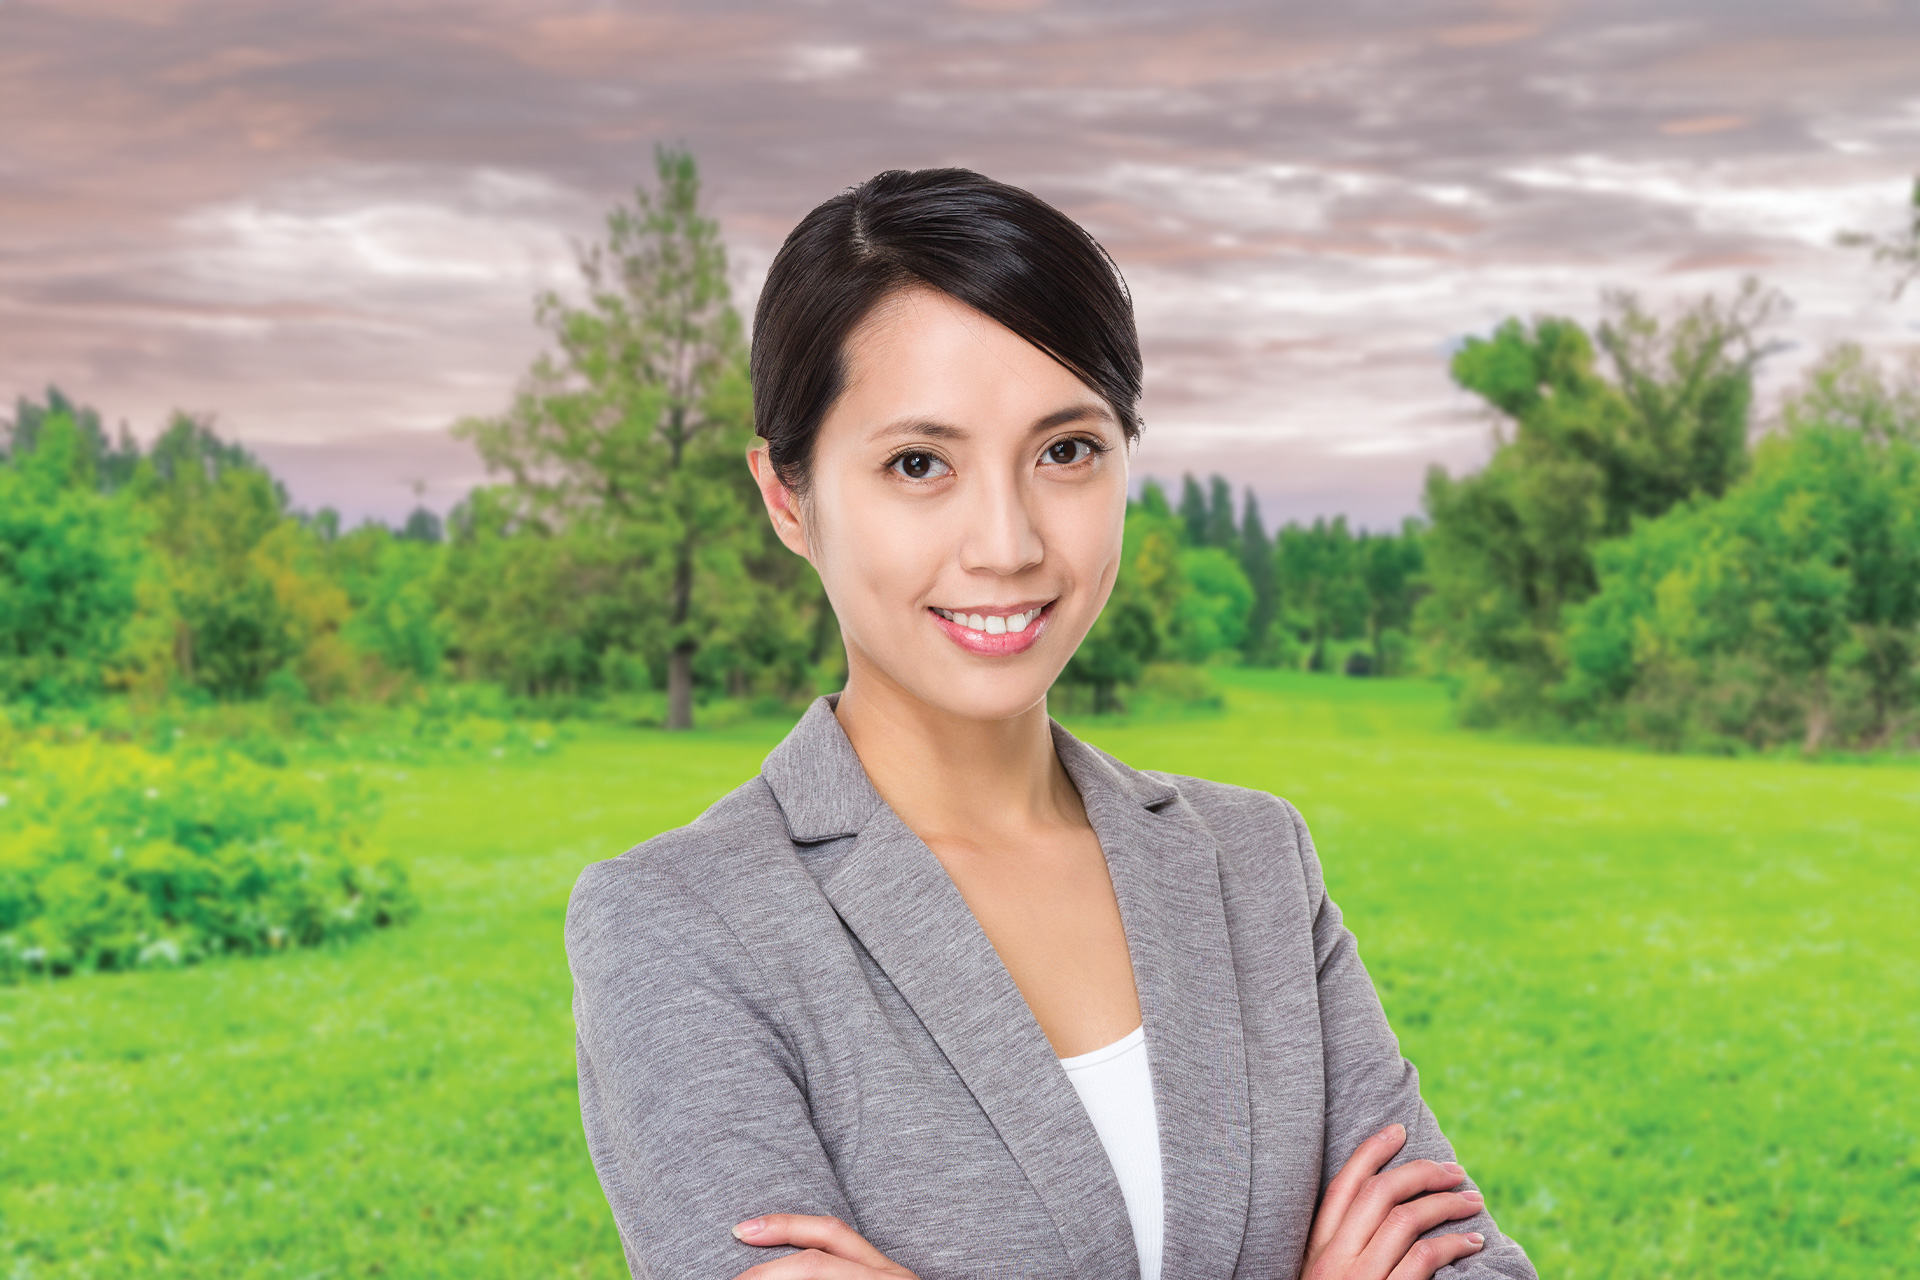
[1366, 1161]
[1380, 1193]
[812, 1231]
[1428, 1256]
[1406, 1222]
[810, 1265]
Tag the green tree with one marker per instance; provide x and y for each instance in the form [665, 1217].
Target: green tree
[1131, 630]
[71, 560]
[636, 425]
[1222, 530]
[111, 461]
[1589, 452]
[246, 595]
[1210, 616]
[389, 580]
[1194, 516]
[1323, 591]
[1789, 609]
[1256, 561]
[1390, 566]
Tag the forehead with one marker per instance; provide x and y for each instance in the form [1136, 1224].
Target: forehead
[924, 353]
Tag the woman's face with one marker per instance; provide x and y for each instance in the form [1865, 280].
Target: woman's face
[965, 509]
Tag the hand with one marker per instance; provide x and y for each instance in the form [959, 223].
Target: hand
[834, 1250]
[1369, 1221]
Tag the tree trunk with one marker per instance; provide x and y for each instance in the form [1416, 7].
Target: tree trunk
[680, 657]
[1818, 718]
[680, 687]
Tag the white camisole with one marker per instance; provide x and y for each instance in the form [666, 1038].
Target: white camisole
[1117, 1090]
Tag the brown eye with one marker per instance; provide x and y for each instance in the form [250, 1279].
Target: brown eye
[917, 464]
[1066, 452]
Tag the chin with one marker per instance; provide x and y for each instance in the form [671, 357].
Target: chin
[987, 696]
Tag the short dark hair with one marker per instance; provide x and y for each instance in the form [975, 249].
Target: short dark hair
[1000, 250]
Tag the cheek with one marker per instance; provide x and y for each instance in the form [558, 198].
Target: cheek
[871, 555]
[1088, 539]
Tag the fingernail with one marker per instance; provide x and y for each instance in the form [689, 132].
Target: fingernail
[1451, 1167]
[751, 1227]
[1388, 1132]
[1474, 1196]
[1475, 1239]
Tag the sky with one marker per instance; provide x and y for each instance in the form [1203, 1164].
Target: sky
[324, 223]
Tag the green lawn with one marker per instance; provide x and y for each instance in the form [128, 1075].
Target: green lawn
[1669, 1009]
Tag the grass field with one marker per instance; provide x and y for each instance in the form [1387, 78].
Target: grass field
[1668, 1009]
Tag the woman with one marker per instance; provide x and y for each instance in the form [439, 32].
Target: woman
[944, 991]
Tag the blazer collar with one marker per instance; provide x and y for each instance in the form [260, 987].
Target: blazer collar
[895, 896]
[824, 793]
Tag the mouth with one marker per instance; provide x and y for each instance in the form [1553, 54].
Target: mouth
[998, 633]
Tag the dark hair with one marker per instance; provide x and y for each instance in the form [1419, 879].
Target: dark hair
[1000, 250]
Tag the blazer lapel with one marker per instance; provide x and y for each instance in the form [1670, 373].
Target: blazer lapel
[892, 892]
[1167, 878]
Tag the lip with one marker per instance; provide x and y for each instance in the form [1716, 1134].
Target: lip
[1001, 646]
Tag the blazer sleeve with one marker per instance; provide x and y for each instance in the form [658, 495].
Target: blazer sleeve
[692, 1096]
[1370, 1085]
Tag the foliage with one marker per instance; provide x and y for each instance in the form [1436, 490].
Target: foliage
[1590, 452]
[631, 436]
[1132, 630]
[1789, 610]
[388, 581]
[113, 856]
[110, 463]
[71, 560]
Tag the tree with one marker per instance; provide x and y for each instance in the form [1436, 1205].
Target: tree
[111, 462]
[1588, 454]
[71, 561]
[1389, 566]
[1131, 631]
[246, 593]
[635, 426]
[1790, 609]
[1322, 590]
[1194, 515]
[1222, 530]
[1256, 561]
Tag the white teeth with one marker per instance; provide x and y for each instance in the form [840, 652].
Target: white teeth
[994, 624]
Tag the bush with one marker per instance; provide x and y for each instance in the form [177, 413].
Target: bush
[113, 856]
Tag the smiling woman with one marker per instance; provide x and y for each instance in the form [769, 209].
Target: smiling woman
[944, 991]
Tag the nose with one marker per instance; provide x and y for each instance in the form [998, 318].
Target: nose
[1001, 536]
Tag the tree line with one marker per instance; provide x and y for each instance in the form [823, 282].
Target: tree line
[1637, 560]
[1639, 557]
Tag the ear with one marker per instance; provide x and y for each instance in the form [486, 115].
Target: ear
[783, 505]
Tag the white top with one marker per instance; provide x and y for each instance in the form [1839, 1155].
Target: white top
[1117, 1090]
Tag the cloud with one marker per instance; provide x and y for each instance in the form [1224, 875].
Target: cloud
[328, 221]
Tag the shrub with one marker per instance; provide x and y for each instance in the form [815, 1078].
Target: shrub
[113, 856]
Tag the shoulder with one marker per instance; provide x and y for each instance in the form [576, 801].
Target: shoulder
[660, 895]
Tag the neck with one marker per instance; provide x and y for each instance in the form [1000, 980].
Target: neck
[949, 776]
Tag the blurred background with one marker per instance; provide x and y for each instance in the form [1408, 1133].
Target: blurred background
[1530, 490]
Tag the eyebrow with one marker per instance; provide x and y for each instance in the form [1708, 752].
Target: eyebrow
[933, 428]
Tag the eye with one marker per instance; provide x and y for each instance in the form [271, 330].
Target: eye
[918, 464]
[1073, 449]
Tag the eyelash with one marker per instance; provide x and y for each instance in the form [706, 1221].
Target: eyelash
[1095, 447]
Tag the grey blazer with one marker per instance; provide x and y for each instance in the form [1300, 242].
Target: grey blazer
[787, 1007]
